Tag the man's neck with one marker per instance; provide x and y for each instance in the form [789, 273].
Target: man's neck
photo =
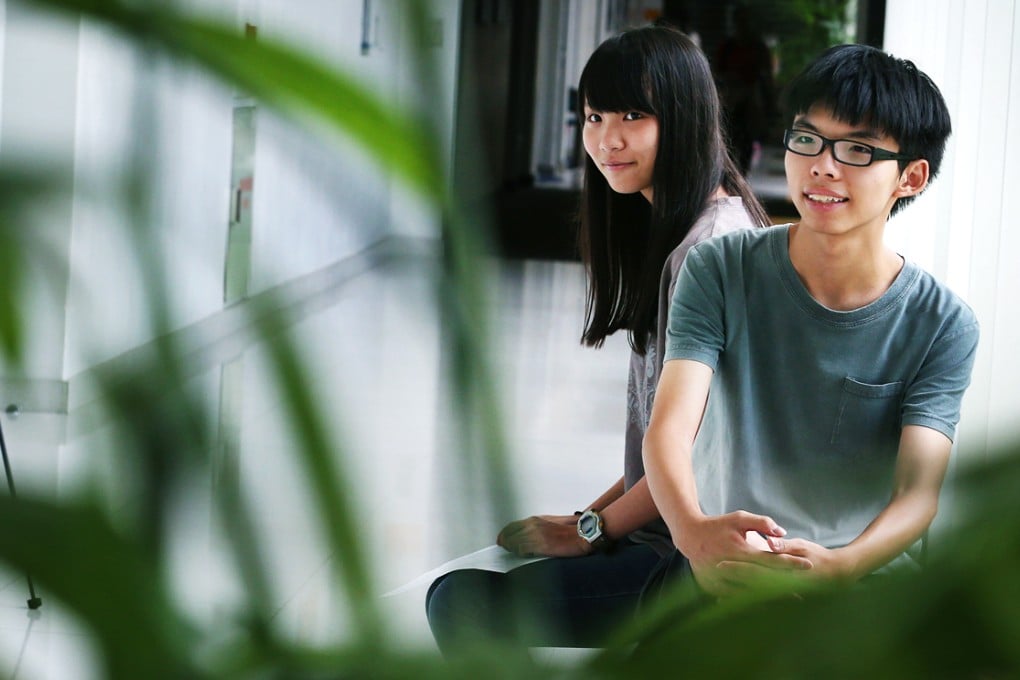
[843, 272]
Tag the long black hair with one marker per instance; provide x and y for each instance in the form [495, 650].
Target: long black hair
[624, 241]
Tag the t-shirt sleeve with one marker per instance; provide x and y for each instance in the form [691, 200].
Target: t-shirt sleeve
[933, 399]
[696, 329]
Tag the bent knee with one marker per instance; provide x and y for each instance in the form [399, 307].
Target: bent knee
[459, 590]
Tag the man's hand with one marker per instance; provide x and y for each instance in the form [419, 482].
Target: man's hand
[546, 535]
[727, 553]
[827, 565]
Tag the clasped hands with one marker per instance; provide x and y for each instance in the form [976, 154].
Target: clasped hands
[546, 535]
[731, 553]
[728, 553]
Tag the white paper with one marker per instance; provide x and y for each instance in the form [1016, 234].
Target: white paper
[492, 558]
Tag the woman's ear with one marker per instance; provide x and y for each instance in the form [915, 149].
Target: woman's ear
[913, 179]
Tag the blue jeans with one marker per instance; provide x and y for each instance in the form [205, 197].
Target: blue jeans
[557, 602]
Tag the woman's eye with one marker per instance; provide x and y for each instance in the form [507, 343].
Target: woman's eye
[593, 118]
[634, 115]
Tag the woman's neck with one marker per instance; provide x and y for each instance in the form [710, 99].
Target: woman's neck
[719, 193]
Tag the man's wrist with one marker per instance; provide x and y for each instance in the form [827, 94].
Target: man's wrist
[846, 565]
[687, 524]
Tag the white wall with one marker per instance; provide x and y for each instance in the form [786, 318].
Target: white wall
[78, 94]
[36, 133]
[325, 200]
[303, 192]
[408, 217]
[3, 33]
[963, 228]
[176, 122]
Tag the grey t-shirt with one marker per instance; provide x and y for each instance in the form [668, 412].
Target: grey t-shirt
[720, 217]
[806, 405]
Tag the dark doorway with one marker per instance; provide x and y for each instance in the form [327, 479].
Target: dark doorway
[494, 131]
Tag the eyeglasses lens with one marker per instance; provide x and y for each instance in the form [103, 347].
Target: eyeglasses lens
[845, 151]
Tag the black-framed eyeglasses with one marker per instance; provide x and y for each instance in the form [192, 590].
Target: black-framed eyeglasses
[846, 151]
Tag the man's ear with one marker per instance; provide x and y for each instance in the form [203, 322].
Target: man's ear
[913, 179]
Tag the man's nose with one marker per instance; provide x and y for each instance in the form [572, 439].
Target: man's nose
[825, 163]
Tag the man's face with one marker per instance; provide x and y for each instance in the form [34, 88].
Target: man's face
[833, 197]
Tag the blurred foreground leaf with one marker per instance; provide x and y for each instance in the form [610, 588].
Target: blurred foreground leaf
[101, 576]
[955, 619]
[20, 189]
[325, 478]
[282, 76]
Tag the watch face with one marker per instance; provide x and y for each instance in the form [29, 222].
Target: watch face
[589, 526]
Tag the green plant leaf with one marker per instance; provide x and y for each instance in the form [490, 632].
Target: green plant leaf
[73, 553]
[19, 189]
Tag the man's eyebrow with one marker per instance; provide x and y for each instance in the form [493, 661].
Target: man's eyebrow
[863, 133]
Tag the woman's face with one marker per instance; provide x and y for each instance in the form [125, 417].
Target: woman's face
[623, 147]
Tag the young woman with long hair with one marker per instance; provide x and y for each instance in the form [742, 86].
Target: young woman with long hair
[658, 179]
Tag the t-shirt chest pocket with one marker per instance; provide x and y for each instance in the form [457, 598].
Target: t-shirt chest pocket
[868, 418]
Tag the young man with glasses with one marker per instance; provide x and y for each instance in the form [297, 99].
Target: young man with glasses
[813, 378]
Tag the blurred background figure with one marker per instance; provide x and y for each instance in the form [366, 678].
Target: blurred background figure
[744, 74]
